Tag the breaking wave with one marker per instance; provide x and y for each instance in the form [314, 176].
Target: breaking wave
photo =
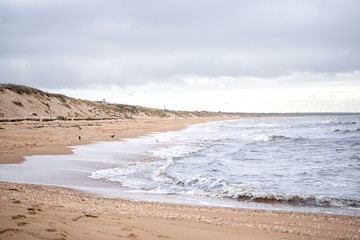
[302, 162]
[263, 197]
[266, 137]
[212, 187]
[161, 173]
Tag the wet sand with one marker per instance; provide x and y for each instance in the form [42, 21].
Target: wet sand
[19, 139]
[48, 212]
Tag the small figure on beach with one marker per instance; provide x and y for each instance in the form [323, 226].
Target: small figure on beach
[112, 136]
[79, 137]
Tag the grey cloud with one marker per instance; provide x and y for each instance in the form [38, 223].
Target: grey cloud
[58, 44]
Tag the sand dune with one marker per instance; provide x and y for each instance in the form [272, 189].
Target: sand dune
[21, 102]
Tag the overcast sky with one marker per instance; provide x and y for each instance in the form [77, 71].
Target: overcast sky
[219, 55]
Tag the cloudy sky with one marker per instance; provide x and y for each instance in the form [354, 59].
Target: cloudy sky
[218, 55]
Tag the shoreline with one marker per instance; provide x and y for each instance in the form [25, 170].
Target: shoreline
[55, 212]
[39, 211]
[26, 138]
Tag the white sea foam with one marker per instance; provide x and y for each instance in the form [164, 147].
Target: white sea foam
[161, 173]
[236, 160]
[298, 161]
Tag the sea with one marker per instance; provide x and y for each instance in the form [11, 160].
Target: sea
[306, 164]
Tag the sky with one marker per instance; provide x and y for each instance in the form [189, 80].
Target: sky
[216, 55]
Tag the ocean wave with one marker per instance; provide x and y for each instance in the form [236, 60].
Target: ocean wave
[275, 137]
[161, 173]
[171, 154]
[133, 175]
[242, 194]
[234, 162]
[203, 182]
[178, 151]
[343, 123]
[213, 187]
[346, 130]
[265, 137]
[302, 200]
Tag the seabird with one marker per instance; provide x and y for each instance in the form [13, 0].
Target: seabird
[112, 136]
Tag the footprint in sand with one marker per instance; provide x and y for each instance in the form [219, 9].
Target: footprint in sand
[18, 217]
[126, 229]
[8, 230]
[163, 236]
[33, 209]
[132, 236]
[16, 201]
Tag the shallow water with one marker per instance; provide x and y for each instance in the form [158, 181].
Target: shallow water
[298, 164]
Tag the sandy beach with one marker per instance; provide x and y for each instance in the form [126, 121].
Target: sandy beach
[26, 138]
[48, 212]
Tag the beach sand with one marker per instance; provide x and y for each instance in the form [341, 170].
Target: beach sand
[48, 212]
[24, 138]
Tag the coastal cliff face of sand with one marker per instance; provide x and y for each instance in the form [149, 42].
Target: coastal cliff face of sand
[49, 212]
